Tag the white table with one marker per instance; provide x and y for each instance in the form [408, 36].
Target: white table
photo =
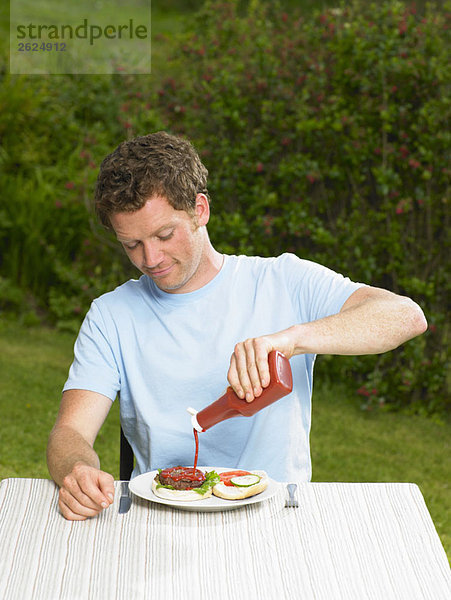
[345, 541]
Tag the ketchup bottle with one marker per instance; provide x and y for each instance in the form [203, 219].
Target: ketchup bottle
[231, 405]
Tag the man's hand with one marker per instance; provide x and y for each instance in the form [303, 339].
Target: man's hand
[249, 370]
[85, 492]
[372, 320]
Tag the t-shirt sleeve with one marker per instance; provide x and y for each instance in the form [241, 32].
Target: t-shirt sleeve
[317, 291]
[94, 367]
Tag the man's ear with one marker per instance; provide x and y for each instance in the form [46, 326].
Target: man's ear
[202, 210]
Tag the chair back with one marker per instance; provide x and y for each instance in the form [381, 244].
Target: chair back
[126, 459]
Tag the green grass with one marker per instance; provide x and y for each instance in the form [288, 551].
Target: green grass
[33, 368]
[347, 444]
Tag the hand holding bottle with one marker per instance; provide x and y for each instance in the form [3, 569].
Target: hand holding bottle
[230, 405]
[248, 374]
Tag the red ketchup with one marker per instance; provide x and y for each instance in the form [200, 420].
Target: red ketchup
[188, 473]
[196, 454]
[231, 405]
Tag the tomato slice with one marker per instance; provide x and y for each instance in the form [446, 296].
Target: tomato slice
[228, 475]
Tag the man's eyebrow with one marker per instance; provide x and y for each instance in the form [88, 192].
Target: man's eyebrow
[156, 232]
[125, 240]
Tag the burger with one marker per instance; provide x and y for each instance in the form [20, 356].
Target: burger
[187, 484]
[184, 483]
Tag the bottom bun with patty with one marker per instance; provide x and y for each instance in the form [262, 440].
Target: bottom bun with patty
[179, 495]
[237, 485]
[183, 484]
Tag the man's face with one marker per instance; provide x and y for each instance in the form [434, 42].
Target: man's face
[166, 244]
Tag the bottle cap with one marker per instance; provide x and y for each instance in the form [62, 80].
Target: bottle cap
[193, 412]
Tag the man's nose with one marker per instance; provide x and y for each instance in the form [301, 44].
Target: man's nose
[152, 255]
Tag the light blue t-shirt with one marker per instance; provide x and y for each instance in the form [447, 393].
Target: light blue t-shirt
[164, 352]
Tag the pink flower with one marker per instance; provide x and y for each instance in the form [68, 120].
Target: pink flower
[414, 163]
[69, 185]
[402, 28]
[400, 207]
[259, 167]
[363, 391]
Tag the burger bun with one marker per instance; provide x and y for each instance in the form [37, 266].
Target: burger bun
[179, 495]
[234, 492]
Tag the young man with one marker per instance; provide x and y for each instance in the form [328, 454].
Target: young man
[167, 340]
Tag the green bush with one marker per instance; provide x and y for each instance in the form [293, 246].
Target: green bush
[54, 133]
[328, 137]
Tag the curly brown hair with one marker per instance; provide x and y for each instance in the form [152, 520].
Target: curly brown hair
[154, 164]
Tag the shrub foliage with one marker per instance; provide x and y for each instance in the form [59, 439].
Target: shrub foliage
[328, 137]
[325, 136]
[55, 132]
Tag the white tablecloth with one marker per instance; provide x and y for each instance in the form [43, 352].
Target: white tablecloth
[345, 541]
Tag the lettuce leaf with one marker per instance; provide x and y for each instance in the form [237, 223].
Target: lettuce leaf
[211, 479]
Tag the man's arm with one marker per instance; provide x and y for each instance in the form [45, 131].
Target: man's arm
[371, 321]
[85, 490]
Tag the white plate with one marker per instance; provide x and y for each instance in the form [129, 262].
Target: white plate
[142, 486]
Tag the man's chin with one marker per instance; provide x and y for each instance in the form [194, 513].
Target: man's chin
[167, 286]
[170, 289]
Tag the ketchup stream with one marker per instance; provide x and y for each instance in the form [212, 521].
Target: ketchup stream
[186, 473]
[196, 454]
